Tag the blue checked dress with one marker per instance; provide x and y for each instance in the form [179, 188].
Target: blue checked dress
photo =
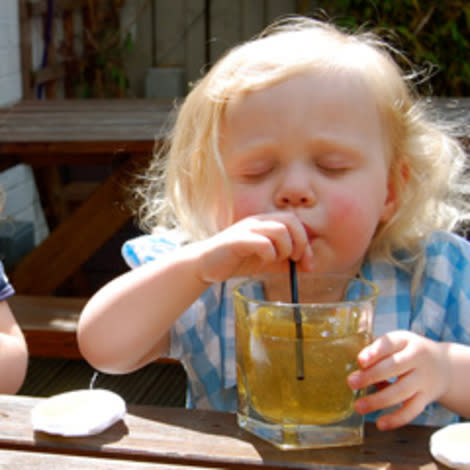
[203, 337]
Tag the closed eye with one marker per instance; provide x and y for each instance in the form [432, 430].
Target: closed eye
[256, 170]
[255, 176]
[335, 163]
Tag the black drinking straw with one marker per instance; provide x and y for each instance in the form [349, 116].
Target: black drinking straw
[298, 321]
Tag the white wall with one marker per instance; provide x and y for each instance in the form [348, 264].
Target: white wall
[10, 68]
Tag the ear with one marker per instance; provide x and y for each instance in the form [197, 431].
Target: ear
[390, 205]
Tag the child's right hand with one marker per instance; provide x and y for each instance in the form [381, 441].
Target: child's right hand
[261, 243]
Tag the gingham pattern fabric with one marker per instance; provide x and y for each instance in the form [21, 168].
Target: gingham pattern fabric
[6, 289]
[203, 337]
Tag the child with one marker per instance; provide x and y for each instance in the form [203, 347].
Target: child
[13, 350]
[305, 143]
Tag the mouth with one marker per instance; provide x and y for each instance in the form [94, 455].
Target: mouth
[311, 234]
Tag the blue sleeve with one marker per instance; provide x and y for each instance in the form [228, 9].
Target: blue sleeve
[146, 248]
[6, 289]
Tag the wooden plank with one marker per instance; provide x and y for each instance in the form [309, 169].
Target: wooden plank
[75, 240]
[253, 18]
[26, 460]
[136, 19]
[79, 191]
[39, 7]
[50, 185]
[71, 153]
[198, 437]
[276, 9]
[26, 53]
[195, 41]
[169, 33]
[110, 121]
[53, 72]
[55, 343]
[49, 324]
[69, 51]
[225, 27]
[113, 104]
[49, 73]
[47, 312]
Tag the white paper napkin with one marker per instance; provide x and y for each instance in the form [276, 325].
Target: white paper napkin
[78, 413]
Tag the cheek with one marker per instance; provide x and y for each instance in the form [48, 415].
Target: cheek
[358, 214]
[341, 206]
[247, 203]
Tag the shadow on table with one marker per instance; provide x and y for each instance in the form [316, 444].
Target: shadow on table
[218, 435]
[93, 443]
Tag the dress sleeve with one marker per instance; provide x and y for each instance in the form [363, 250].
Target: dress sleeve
[145, 248]
[6, 289]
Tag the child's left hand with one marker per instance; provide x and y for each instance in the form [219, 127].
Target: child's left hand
[419, 366]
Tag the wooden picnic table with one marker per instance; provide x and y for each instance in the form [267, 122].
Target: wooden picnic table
[197, 439]
[48, 134]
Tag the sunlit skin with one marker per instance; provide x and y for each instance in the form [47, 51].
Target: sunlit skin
[13, 352]
[307, 161]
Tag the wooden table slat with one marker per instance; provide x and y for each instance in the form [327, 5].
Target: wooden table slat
[208, 438]
[26, 460]
[33, 123]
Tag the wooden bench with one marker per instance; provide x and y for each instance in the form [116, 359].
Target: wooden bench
[49, 324]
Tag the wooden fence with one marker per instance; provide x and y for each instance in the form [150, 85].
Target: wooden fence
[59, 36]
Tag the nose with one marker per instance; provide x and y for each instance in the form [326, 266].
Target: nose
[295, 189]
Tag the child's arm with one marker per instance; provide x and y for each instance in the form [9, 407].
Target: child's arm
[426, 371]
[13, 352]
[126, 324]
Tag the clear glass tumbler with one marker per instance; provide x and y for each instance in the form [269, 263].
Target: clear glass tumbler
[293, 359]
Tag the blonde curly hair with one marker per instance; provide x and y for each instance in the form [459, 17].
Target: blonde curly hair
[427, 162]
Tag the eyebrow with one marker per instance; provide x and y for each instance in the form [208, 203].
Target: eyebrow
[253, 149]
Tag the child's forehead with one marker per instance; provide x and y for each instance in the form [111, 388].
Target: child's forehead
[335, 84]
[267, 61]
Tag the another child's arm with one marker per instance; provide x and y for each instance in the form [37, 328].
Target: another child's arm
[126, 324]
[13, 352]
[425, 371]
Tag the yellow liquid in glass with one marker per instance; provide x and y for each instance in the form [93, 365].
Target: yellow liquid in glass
[266, 362]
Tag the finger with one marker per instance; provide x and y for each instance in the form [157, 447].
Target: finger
[279, 235]
[403, 415]
[382, 348]
[297, 233]
[259, 246]
[396, 365]
[299, 238]
[307, 261]
[394, 394]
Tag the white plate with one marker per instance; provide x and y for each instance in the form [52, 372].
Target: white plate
[78, 413]
[451, 445]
